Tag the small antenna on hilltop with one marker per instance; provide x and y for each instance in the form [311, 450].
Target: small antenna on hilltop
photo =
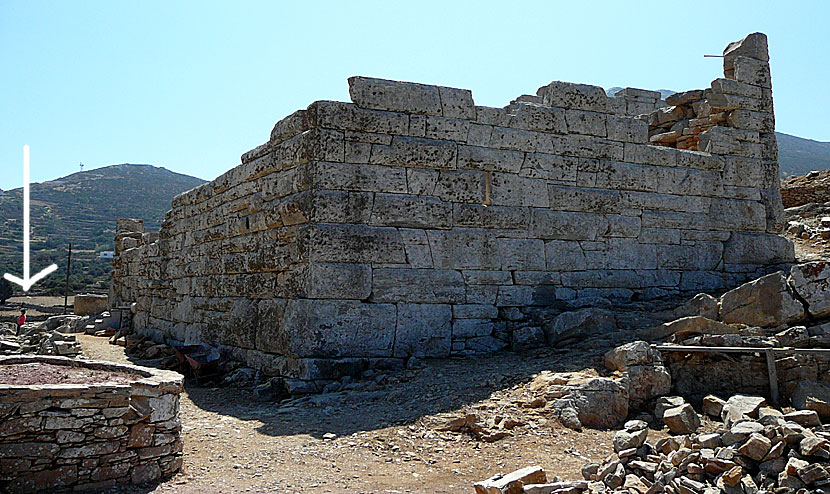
[82, 167]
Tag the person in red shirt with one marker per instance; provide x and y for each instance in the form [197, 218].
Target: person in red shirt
[21, 320]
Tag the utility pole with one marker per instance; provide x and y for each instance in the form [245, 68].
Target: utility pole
[66, 289]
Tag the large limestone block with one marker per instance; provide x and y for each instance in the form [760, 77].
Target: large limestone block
[457, 103]
[757, 73]
[758, 248]
[383, 94]
[811, 281]
[423, 330]
[536, 117]
[484, 158]
[349, 117]
[564, 256]
[548, 224]
[463, 248]
[415, 151]
[339, 280]
[336, 328]
[90, 304]
[753, 46]
[418, 286]
[574, 96]
[355, 243]
[765, 302]
[410, 211]
[598, 402]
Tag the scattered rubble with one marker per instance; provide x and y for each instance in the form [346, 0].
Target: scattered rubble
[755, 449]
[51, 337]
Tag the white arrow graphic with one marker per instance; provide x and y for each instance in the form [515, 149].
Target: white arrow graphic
[27, 281]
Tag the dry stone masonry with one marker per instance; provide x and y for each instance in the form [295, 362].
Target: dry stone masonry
[88, 436]
[413, 223]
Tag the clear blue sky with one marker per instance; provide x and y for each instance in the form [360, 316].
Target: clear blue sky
[192, 85]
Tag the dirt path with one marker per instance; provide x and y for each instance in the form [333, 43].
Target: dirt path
[380, 440]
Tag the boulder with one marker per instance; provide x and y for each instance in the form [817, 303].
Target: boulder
[646, 382]
[765, 302]
[811, 281]
[636, 353]
[665, 403]
[579, 324]
[813, 395]
[682, 419]
[598, 402]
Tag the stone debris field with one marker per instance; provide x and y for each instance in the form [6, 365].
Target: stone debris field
[410, 293]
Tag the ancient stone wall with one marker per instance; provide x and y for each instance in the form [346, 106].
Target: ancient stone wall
[88, 436]
[412, 222]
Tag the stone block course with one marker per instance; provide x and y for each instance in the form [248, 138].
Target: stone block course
[411, 222]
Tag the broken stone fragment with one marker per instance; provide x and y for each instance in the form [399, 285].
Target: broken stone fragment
[756, 447]
[713, 406]
[665, 403]
[741, 407]
[512, 483]
[682, 419]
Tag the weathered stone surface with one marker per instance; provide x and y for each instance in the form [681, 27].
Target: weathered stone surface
[813, 395]
[682, 419]
[423, 330]
[741, 407]
[579, 324]
[382, 94]
[765, 302]
[811, 281]
[90, 304]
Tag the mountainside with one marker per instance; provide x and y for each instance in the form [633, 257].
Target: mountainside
[82, 209]
[796, 155]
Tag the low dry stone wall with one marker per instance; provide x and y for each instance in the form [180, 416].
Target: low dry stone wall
[412, 222]
[89, 436]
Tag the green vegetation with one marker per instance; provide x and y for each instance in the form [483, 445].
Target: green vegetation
[82, 209]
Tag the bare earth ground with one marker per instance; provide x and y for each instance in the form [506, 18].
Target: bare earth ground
[40, 373]
[381, 441]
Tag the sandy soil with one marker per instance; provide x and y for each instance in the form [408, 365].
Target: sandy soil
[39, 373]
[381, 440]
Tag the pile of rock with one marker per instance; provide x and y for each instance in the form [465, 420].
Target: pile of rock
[681, 123]
[813, 187]
[785, 309]
[51, 337]
[755, 449]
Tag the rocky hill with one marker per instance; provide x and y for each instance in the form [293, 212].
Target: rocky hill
[82, 209]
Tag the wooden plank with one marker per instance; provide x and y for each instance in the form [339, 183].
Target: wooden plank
[773, 376]
[740, 349]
